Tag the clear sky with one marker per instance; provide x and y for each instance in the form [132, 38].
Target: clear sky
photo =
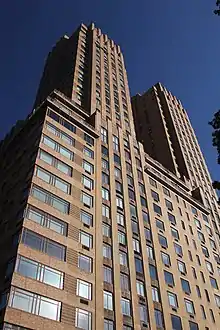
[172, 41]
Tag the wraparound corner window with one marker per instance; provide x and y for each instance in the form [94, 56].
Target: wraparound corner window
[27, 301]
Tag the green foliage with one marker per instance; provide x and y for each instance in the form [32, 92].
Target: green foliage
[217, 11]
[215, 123]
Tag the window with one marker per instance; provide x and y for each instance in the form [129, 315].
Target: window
[84, 263]
[153, 272]
[39, 272]
[48, 198]
[141, 188]
[172, 298]
[105, 211]
[106, 230]
[117, 159]
[217, 300]
[124, 281]
[166, 191]
[143, 313]
[104, 151]
[145, 217]
[174, 233]
[85, 239]
[209, 266]
[133, 211]
[153, 182]
[159, 224]
[105, 194]
[88, 152]
[119, 202]
[213, 282]
[178, 249]
[140, 288]
[115, 143]
[27, 301]
[193, 326]
[57, 147]
[138, 265]
[104, 136]
[120, 219]
[131, 194]
[189, 306]
[205, 251]
[86, 218]
[185, 286]
[157, 209]
[61, 166]
[155, 294]
[155, 196]
[118, 187]
[117, 173]
[203, 312]
[87, 182]
[140, 175]
[169, 205]
[105, 178]
[168, 278]
[107, 274]
[165, 259]
[148, 235]
[56, 131]
[89, 139]
[136, 245]
[176, 322]
[130, 180]
[86, 199]
[84, 289]
[123, 258]
[52, 179]
[46, 220]
[128, 168]
[43, 244]
[158, 318]
[198, 291]
[143, 201]
[87, 167]
[181, 266]
[105, 164]
[108, 325]
[83, 319]
[107, 252]
[194, 210]
[125, 307]
[121, 238]
[171, 218]
[150, 252]
[162, 241]
[108, 300]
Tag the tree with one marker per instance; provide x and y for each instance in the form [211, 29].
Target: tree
[217, 11]
[215, 123]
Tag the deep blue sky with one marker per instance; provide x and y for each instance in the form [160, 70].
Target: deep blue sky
[175, 42]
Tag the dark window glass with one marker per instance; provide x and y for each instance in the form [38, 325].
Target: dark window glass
[185, 286]
[138, 265]
[193, 326]
[168, 278]
[157, 209]
[153, 272]
[172, 219]
[176, 322]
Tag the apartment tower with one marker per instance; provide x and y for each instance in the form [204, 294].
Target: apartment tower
[106, 220]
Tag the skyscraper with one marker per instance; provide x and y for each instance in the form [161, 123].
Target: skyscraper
[104, 222]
